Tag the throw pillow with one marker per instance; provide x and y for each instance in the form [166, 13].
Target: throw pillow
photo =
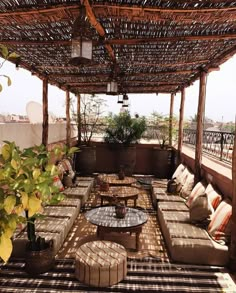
[214, 197]
[220, 226]
[187, 186]
[198, 190]
[179, 170]
[181, 179]
[57, 182]
[200, 209]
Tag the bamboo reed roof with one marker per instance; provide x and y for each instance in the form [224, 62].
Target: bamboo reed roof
[159, 46]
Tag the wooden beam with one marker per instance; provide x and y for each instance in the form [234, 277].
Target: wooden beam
[69, 75]
[138, 41]
[171, 118]
[181, 123]
[122, 42]
[200, 124]
[45, 113]
[232, 250]
[79, 118]
[142, 9]
[98, 27]
[68, 127]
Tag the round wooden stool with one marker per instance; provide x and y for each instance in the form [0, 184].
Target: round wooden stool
[101, 263]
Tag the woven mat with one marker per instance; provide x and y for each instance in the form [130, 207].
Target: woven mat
[151, 240]
[146, 275]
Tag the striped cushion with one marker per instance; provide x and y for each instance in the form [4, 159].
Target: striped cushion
[214, 197]
[198, 190]
[219, 228]
[57, 182]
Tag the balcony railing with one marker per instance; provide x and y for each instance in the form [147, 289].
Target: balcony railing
[215, 143]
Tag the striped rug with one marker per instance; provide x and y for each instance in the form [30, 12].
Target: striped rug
[146, 275]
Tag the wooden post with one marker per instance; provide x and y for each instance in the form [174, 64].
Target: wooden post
[171, 118]
[78, 119]
[232, 262]
[181, 124]
[200, 124]
[45, 112]
[68, 128]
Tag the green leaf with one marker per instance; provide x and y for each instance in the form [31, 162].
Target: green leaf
[13, 55]
[5, 247]
[9, 204]
[4, 51]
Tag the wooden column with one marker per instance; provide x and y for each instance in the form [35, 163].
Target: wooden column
[45, 112]
[78, 119]
[68, 128]
[181, 123]
[232, 263]
[200, 125]
[171, 118]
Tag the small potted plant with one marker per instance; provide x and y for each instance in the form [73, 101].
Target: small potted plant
[27, 185]
[122, 133]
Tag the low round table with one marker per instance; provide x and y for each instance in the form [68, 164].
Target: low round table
[101, 263]
[113, 179]
[121, 193]
[106, 221]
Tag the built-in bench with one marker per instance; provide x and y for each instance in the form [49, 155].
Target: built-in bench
[195, 220]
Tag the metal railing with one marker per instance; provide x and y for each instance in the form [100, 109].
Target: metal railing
[215, 143]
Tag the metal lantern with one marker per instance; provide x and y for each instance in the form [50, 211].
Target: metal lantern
[112, 87]
[120, 100]
[81, 43]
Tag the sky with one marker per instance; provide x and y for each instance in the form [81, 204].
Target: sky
[220, 96]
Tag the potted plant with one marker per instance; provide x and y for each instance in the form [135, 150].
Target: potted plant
[162, 159]
[123, 132]
[27, 186]
[91, 109]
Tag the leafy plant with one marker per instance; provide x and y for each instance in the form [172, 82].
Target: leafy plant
[161, 124]
[91, 109]
[123, 129]
[7, 56]
[26, 186]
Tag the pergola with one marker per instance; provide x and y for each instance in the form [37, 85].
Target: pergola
[155, 46]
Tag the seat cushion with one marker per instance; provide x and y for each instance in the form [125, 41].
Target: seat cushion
[173, 206]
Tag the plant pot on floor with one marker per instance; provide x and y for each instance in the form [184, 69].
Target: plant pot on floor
[86, 160]
[126, 157]
[162, 162]
[39, 261]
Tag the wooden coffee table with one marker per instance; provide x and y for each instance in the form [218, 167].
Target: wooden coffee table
[113, 179]
[106, 221]
[122, 193]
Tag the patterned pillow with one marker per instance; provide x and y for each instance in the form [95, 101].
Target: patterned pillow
[68, 167]
[200, 209]
[214, 197]
[198, 190]
[179, 170]
[188, 186]
[57, 182]
[220, 226]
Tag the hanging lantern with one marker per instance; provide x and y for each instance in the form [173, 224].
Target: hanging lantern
[120, 100]
[81, 43]
[112, 87]
[125, 101]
